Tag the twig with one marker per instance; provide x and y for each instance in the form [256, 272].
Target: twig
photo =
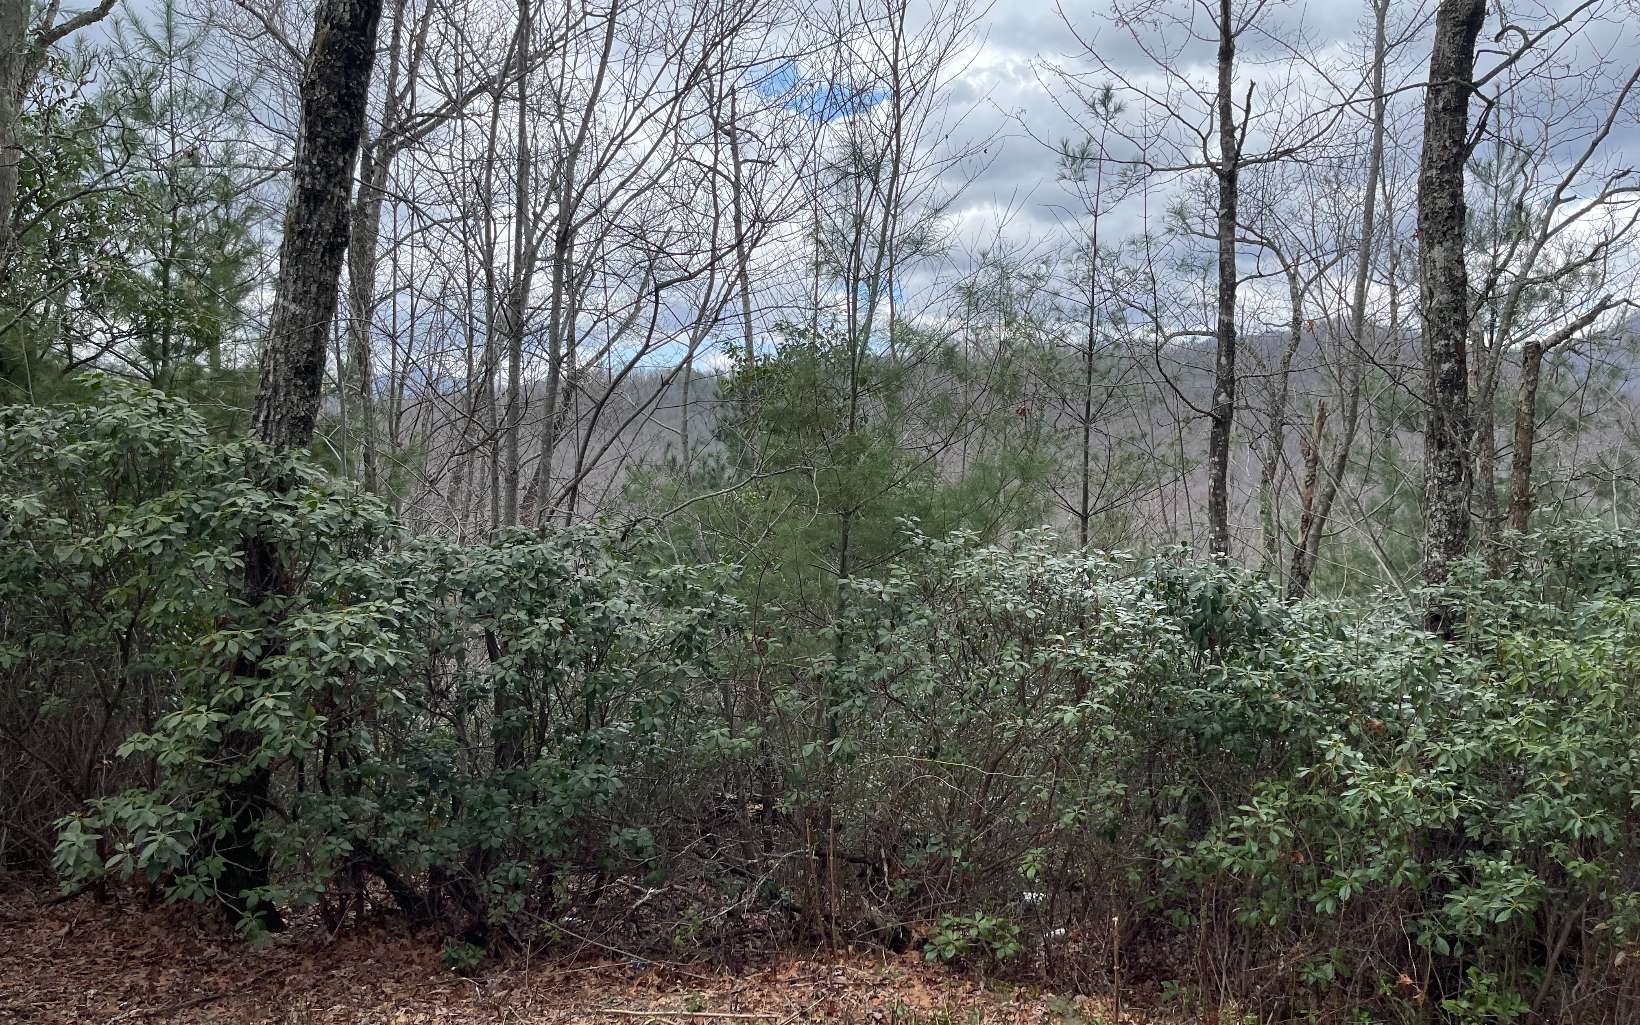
[62, 898]
[799, 1013]
[143, 1012]
[670, 966]
[685, 1014]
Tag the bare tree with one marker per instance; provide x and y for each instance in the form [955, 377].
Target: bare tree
[404, 121]
[1318, 505]
[1555, 229]
[1190, 125]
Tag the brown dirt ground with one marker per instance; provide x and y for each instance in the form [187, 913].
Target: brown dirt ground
[85, 962]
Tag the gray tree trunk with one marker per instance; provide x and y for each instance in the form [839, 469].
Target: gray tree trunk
[518, 289]
[1533, 350]
[333, 94]
[375, 163]
[1520, 469]
[1277, 442]
[1222, 412]
[14, 47]
[361, 308]
[1444, 298]
[316, 229]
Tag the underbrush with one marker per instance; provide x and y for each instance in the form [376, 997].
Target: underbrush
[1095, 768]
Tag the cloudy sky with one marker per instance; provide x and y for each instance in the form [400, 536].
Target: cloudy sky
[1010, 91]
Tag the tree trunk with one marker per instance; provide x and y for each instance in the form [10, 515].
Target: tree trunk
[560, 328]
[316, 227]
[1222, 412]
[1444, 296]
[333, 94]
[375, 161]
[1531, 374]
[1486, 353]
[1310, 451]
[21, 58]
[518, 290]
[1277, 442]
[1520, 469]
[742, 248]
[1084, 511]
[1309, 542]
[14, 47]
[361, 311]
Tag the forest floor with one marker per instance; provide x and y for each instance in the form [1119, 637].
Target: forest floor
[86, 962]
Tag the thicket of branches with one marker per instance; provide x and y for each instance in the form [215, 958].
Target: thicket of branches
[563, 469]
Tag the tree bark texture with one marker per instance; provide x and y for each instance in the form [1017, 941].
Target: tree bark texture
[333, 94]
[1444, 297]
[1222, 412]
[316, 230]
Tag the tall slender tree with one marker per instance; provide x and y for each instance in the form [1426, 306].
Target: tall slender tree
[1444, 296]
[1195, 125]
[333, 94]
[1318, 511]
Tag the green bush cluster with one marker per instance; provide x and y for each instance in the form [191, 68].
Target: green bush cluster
[1012, 755]
[1323, 794]
[453, 721]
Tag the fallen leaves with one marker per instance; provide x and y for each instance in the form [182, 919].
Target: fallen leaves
[124, 963]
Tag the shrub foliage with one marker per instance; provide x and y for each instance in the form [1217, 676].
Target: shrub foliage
[1012, 756]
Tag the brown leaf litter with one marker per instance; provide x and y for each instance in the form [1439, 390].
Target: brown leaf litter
[86, 962]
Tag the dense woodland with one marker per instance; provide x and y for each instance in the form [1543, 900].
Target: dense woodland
[549, 469]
